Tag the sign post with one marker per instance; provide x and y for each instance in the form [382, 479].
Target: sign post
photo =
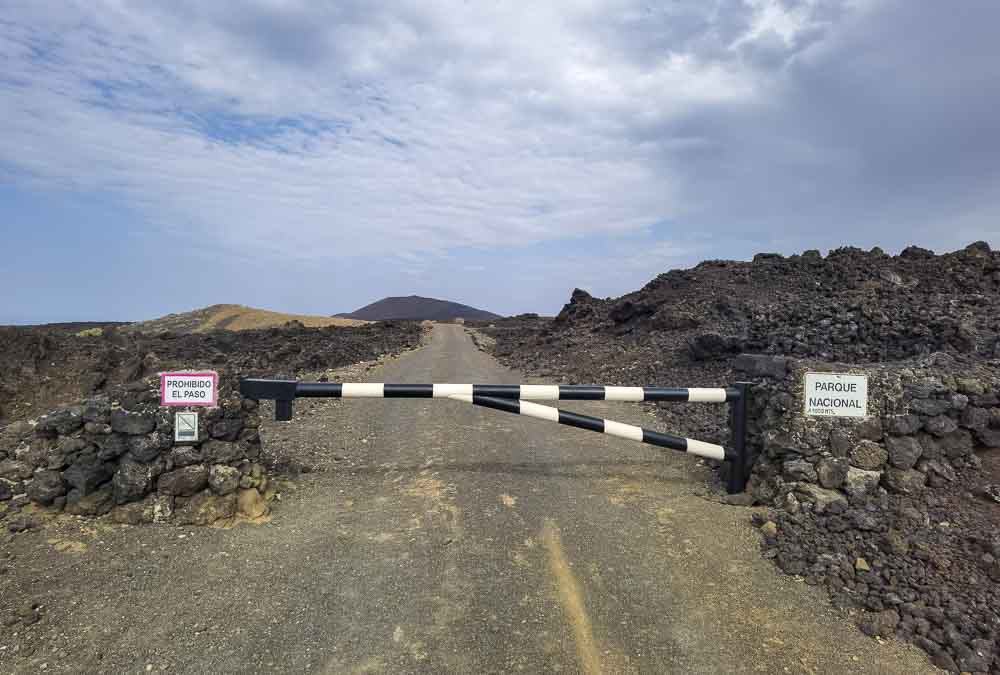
[836, 395]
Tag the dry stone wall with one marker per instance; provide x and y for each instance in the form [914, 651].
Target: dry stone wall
[891, 513]
[116, 454]
[924, 420]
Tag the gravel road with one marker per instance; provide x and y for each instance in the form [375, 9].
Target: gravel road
[437, 537]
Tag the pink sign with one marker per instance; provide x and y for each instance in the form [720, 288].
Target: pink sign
[189, 389]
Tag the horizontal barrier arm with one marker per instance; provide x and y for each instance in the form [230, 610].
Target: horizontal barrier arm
[287, 390]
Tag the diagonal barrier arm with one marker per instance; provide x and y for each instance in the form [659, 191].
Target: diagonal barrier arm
[600, 425]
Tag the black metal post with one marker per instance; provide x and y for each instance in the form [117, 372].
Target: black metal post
[739, 466]
[282, 392]
[282, 410]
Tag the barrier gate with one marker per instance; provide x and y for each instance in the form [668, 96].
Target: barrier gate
[517, 398]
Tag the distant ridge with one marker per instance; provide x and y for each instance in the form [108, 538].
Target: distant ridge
[417, 308]
[232, 317]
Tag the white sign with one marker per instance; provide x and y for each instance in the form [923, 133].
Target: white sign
[189, 389]
[185, 427]
[836, 395]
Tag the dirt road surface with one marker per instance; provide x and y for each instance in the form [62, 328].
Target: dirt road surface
[435, 537]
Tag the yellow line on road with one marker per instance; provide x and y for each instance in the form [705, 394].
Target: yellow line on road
[571, 599]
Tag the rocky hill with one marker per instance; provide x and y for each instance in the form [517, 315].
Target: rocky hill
[850, 306]
[417, 308]
[233, 317]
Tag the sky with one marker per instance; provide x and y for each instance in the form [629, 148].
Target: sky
[312, 157]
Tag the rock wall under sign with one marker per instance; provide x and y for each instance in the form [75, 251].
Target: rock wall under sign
[116, 454]
[924, 420]
[891, 513]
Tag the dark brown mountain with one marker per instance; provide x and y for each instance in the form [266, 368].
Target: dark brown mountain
[417, 308]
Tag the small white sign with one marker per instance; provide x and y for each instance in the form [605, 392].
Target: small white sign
[185, 427]
[189, 389]
[836, 395]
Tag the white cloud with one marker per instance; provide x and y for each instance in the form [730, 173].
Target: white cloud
[301, 129]
[435, 124]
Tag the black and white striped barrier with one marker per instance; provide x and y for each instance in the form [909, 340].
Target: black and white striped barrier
[524, 392]
[516, 398]
[633, 433]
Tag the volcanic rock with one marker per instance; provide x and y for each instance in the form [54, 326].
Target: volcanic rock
[46, 487]
[64, 421]
[882, 623]
[903, 481]
[799, 470]
[133, 423]
[223, 479]
[868, 455]
[904, 451]
[185, 481]
[14, 470]
[221, 452]
[206, 508]
[133, 480]
[94, 504]
[87, 473]
[940, 425]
